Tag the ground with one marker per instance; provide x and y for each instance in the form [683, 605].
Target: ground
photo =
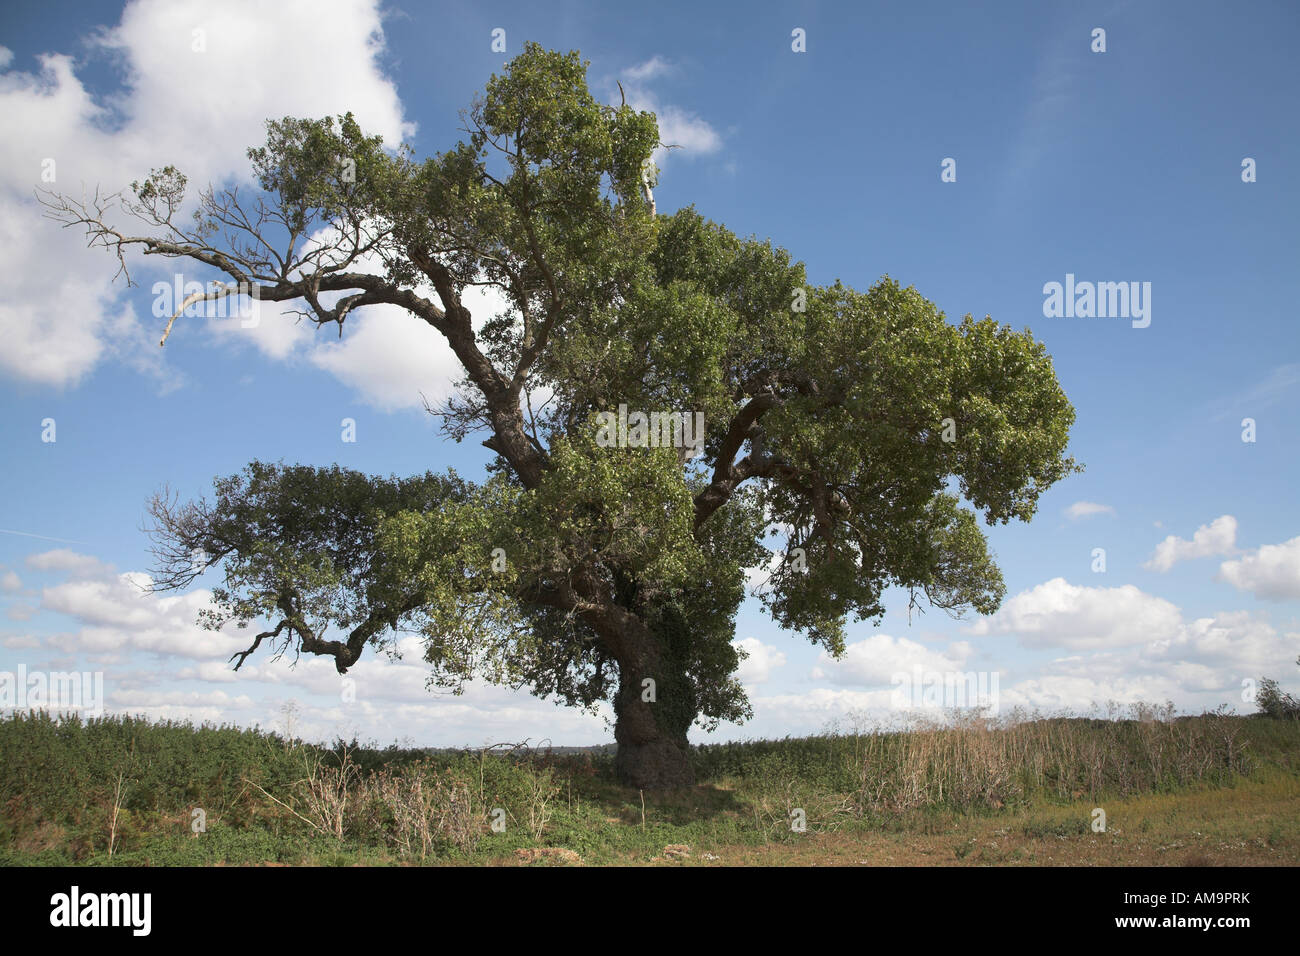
[1256, 823]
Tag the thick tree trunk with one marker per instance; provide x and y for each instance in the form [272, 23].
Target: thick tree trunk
[651, 722]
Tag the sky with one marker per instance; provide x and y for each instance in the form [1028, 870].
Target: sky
[977, 153]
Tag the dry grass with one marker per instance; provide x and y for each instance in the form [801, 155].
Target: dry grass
[1255, 823]
[976, 761]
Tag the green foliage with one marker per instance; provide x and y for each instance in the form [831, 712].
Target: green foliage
[56, 796]
[321, 174]
[1274, 702]
[848, 417]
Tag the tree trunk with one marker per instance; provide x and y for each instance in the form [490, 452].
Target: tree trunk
[651, 722]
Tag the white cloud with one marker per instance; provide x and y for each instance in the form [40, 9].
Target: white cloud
[1272, 572]
[762, 660]
[62, 315]
[10, 582]
[1217, 537]
[1086, 509]
[120, 614]
[20, 612]
[391, 360]
[815, 710]
[1199, 665]
[1233, 640]
[67, 560]
[118, 620]
[1143, 648]
[681, 128]
[164, 703]
[651, 68]
[389, 701]
[876, 660]
[677, 126]
[1125, 646]
[757, 578]
[1059, 614]
[1077, 694]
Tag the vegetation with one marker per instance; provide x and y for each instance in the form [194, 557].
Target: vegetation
[122, 790]
[1274, 702]
[870, 429]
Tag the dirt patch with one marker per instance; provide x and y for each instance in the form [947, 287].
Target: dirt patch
[549, 854]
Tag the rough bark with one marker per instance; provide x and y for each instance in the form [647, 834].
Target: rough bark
[653, 753]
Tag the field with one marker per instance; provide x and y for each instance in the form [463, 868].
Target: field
[1214, 789]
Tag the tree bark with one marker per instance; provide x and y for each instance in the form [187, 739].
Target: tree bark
[651, 727]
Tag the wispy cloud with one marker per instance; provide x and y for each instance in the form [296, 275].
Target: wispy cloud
[678, 127]
[43, 537]
[1264, 394]
[1046, 114]
[651, 68]
[1086, 509]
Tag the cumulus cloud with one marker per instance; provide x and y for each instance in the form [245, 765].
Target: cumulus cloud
[150, 646]
[120, 614]
[1081, 694]
[762, 659]
[817, 709]
[1216, 538]
[1200, 665]
[1086, 509]
[390, 359]
[757, 579]
[1059, 614]
[1233, 640]
[1137, 647]
[158, 662]
[877, 659]
[197, 105]
[1272, 572]
[379, 699]
[393, 361]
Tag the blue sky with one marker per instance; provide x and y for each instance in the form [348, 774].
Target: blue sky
[1115, 166]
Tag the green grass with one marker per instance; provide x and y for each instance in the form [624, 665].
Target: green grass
[69, 787]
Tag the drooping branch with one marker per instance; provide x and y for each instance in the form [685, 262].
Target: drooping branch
[257, 642]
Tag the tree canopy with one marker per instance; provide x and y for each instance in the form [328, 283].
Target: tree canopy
[872, 432]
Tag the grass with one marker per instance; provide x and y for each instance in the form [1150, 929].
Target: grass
[120, 791]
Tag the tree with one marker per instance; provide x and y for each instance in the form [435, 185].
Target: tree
[1274, 702]
[584, 565]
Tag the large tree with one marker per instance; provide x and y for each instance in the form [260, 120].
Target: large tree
[854, 422]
